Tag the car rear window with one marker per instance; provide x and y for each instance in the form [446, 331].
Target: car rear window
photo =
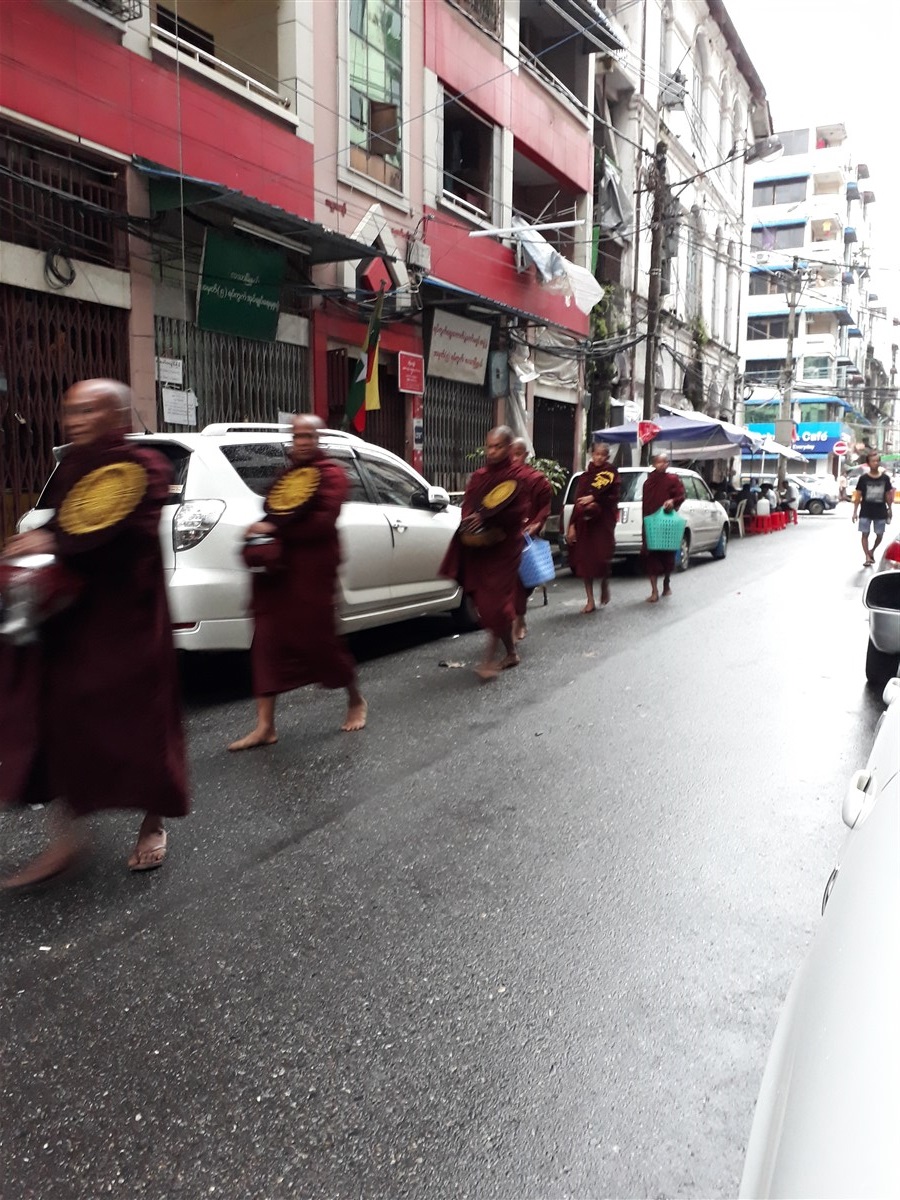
[631, 486]
[257, 463]
[179, 459]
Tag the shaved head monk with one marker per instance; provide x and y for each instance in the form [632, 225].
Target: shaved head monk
[540, 497]
[484, 554]
[89, 713]
[662, 490]
[295, 640]
[592, 532]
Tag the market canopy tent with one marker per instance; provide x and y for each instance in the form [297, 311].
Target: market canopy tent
[686, 437]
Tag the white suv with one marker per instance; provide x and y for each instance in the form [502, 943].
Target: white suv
[394, 530]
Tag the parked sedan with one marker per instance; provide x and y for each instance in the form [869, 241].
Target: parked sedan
[828, 1110]
[881, 597]
[394, 527]
[707, 520]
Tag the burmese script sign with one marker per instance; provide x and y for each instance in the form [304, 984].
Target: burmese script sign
[459, 348]
[240, 287]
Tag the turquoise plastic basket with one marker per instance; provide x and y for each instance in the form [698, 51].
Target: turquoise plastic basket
[663, 530]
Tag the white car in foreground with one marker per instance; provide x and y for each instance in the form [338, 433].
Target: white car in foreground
[828, 1111]
[881, 597]
[707, 520]
[394, 527]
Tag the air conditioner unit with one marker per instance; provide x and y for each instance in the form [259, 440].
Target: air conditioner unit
[761, 258]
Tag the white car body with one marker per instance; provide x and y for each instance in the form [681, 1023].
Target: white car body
[828, 1110]
[391, 550]
[881, 596]
[707, 520]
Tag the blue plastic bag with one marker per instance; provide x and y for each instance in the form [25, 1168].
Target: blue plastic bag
[536, 564]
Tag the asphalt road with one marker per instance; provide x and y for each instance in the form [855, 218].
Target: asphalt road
[525, 939]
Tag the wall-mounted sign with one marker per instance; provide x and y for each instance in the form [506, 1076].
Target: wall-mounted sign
[418, 431]
[179, 406]
[240, 287]
[411, 372]
[459, 348]
[815, 439]
[170, 370]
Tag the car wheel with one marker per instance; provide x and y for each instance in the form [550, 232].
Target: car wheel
[880, 667]
[815, 507]
[465, 618]
[721, 547]
[683, 557]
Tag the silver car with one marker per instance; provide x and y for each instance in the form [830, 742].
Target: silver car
[828, 1110]
[707, 520]
[394, 528]
[881, 597]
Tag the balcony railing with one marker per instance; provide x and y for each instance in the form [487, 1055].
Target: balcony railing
[246, 82]
[122, 10]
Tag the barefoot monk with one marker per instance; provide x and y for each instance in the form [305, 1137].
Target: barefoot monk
[540, 499]
[295, 640]
[89, 705]
[592, 533]
[662, 490]
[484, 555]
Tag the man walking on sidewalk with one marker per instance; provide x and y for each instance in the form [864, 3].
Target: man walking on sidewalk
[872, 501]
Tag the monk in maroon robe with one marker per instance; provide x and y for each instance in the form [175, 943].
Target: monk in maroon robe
[591, 535]
[295, 640]
[666, 491]
[484, 554]
[540, 497]
[90, 714]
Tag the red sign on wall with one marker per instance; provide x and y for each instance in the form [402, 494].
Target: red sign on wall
[411, 369]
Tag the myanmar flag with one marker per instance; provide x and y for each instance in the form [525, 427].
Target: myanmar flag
[362, 395]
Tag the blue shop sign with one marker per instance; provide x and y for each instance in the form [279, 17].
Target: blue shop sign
[815, 439]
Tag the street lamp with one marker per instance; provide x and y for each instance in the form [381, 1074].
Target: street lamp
[793, 287]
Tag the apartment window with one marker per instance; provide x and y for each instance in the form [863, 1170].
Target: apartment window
[468, 159]
[826, 230]
[487, 13]
[765, 283]
[187, 31]
[778, 237]
[820, 324]
[779, 191]
[817, 367]
[766, 328]
[546, 46]
[795, 141]
[376, 89]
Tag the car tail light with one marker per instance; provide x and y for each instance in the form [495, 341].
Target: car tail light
[193, 521]
[892, 554]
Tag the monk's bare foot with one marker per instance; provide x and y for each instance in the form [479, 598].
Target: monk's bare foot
[149, 851]
[589, 608]
[653, 598]
[259, 737]
[487, 671]
[511, 660]
[520, 630]
[53, 864]
[604, 594]
[667, 591]
[356, 717]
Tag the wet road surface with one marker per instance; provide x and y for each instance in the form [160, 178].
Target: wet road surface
[527, 939]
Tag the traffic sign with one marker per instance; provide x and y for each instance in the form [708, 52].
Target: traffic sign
[840, 449]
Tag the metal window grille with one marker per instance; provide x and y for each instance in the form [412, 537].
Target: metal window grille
[554, 430]
[51, 201]
[234, 379]
[122, 10]
[486, 12]
[456, 418]
[47, 343]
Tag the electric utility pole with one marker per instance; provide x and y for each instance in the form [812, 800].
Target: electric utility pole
[660, 198]
[784, 427]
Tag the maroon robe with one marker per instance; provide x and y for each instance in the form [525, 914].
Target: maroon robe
[489, 574]
[91, 713]
[595, 524]
[659, 486]
[540, 497]
[295, 639]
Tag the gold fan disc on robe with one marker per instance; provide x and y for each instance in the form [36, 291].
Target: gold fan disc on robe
[603, 480]
[500, 494]
[293, 490]
[103, 497]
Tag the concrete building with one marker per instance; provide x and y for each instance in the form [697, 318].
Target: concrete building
[810, 213]
[206, 196]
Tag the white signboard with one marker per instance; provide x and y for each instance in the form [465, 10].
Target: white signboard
[459, 348]
[179, 407]
[170, 370]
